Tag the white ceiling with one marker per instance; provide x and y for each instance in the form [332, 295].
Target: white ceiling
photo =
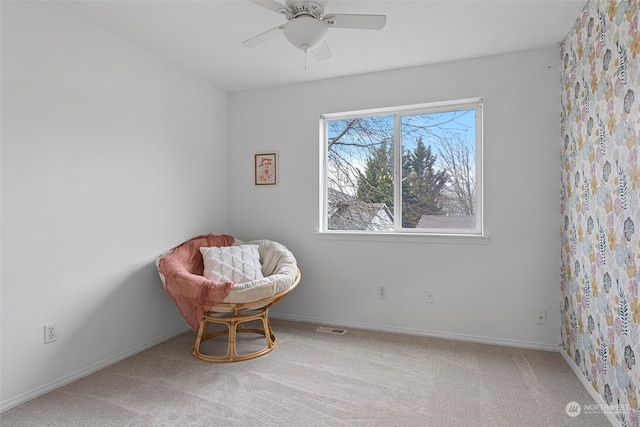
[205, 36]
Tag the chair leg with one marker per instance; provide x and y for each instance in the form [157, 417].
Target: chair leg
[202, 332]
[233, 324]
[232, 340]
[268, 333]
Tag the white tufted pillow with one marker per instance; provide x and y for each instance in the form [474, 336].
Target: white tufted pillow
[238, 264]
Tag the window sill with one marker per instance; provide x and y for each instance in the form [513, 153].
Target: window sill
[464, 239]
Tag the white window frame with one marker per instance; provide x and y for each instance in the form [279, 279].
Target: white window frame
[476, 235]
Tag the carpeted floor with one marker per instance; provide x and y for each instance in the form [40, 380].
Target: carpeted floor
[362, 378]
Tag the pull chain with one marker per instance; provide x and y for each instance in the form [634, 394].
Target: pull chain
[305, 49]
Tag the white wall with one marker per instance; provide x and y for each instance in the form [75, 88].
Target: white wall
[110, 155]
[485, 292]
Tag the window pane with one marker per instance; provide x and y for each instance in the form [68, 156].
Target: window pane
[438, 170]
[360, 174]
[412, 169]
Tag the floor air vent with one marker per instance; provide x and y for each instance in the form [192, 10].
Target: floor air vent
[336, 331]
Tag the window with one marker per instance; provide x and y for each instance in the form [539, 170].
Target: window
[413, 169]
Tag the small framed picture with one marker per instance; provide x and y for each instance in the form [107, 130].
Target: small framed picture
[266, 169]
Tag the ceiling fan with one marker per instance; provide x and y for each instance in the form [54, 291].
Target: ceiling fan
[307, 25]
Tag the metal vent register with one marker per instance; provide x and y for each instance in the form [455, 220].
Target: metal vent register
[328, 330]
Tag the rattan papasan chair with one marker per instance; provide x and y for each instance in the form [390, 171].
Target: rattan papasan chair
[220, 284]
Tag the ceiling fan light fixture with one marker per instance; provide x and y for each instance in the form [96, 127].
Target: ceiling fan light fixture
[305, 32]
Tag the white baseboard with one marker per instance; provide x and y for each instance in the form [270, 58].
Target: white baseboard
[419, 332]
[25, 397]
[587, 385]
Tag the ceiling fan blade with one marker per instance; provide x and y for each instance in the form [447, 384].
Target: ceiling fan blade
[271, 5]
[263, 37]
[321, 52]
[363, 22]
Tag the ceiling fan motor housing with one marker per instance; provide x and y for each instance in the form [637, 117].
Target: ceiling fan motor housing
[306, 8]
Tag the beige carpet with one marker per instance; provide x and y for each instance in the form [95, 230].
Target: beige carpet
[362, 378]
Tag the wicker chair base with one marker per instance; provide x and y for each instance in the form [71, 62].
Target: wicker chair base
[233, 316]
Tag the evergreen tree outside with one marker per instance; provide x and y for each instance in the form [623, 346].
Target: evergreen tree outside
[375, 185]
[409, 197]
[422, 185]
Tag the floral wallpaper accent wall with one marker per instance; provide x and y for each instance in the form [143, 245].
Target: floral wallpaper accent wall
[600, 201]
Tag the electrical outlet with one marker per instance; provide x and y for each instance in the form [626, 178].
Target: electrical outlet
[429, 296]
[541, 317]
[382, 292]
[50, 333]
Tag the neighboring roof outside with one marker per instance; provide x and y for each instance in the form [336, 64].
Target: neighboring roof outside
[358, 215]
[336, 196]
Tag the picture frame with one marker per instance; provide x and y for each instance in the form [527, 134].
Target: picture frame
[266, 169]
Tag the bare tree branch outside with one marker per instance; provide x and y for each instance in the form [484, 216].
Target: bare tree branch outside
[436, 169]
